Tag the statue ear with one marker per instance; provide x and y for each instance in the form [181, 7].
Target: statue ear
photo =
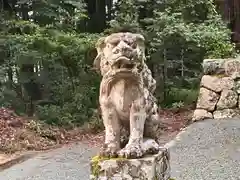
[99, 46]
[97, 61]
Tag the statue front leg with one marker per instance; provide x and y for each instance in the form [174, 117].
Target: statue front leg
[112, 129]
[135, 147]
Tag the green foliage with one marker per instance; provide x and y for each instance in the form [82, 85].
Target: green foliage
[185, 33]
[177, 104]
[183, 27]
[63, 14]
[64, 71]
[52, 114]
[181, 34]
[10, 99]
[210, 38]
[46, 63]
[126, 17]
[177, 97]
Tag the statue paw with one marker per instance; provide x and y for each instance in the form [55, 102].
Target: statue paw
[151, 146]
[133, 150]
[109, 150]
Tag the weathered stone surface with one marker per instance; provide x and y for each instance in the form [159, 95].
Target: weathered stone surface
[225, 113]
[238, 103]
[146, 168]
[228, 100]
[232, 68]
[126, 95]
[207, 99]
[222, 76]
[213, 66]
[217, 84]
[201, 114]
[237, 86]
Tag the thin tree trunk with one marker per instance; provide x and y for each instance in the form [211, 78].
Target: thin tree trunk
[109, 4]
[101, 14]
[165, 74]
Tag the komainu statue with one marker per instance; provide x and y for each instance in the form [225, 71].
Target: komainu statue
[129, 110]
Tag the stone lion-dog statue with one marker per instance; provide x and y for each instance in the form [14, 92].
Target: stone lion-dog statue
[127, 104]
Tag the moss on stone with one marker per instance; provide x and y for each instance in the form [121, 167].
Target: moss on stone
[219, 75]
[95, 167]
[102, 158]
[155, 177]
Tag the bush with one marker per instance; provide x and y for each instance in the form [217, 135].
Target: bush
[178, 97]
[55, 67]
[10, 99]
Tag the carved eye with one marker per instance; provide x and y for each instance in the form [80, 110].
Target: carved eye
[134, 45]
[114, 44]
[127, 42]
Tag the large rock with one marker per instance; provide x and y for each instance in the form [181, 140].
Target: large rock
[225, 113]
[201, 114]
[213, 66]
[232, 68]
[217, 84]
[228, 100]
[207, 99]
[147, 168]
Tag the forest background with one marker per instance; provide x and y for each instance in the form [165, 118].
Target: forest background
[47, 51]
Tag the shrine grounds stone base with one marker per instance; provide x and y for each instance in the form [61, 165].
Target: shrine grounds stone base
[219, 95]
[151, 167]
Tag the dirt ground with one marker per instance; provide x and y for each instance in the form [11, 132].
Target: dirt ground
[174, 119]
[18, 134]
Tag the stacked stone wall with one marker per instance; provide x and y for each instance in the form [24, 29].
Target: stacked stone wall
[219, 95]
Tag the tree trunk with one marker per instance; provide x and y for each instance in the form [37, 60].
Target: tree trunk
[109, 4]
[100, 15]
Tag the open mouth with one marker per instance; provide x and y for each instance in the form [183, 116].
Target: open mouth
[127, 66]
[123, 63]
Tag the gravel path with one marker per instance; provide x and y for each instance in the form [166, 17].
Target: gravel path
[66, 163]
[207, 150]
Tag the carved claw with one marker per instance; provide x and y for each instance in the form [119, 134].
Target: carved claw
[151, 146]
[134, 150]
[137, 150]
[109, 150]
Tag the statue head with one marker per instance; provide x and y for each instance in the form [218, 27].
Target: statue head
[119, 52]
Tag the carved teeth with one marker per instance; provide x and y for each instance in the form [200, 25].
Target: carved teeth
[123, 58]
[123, 63]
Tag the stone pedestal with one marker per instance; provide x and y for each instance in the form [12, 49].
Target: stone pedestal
[151, 167]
